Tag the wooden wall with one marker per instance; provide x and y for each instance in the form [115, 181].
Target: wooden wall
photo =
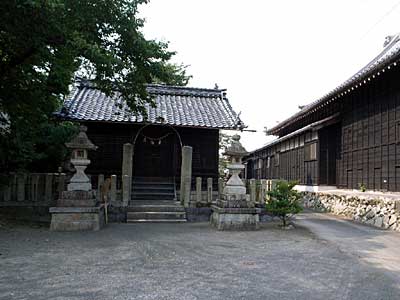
[287, 160]
[370, 153]
[366, 146]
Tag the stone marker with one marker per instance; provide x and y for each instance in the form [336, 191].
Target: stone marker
[186, 174]
[127, 161]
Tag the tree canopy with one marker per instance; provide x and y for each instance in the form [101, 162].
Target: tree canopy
[45, 43]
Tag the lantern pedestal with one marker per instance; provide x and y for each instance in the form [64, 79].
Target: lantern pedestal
[77, 208]
[77, 218]
[234, 211]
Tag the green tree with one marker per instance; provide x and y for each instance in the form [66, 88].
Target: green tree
[45, 43]
[224, 141]
[283, 201]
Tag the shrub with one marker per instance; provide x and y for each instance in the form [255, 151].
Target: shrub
[283, 201]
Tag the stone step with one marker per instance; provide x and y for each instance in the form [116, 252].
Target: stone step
[152, 198]
[156, 208]
[150, 193]
[157, 221]
[156, 215]
[154, 188]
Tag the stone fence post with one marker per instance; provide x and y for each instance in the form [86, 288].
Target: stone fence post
[253, 190]
[209, 189]
[61, 184]
[264, 190]
[186, 174]
[113, 189]
[48, 189]
[126, 190]
[221, 185]
[21, 178]
[100, 182]
[198, 190]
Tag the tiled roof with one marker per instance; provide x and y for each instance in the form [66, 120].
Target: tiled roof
[179, 106]
[388, 57]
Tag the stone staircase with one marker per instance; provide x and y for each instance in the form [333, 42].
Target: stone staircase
[154, 201]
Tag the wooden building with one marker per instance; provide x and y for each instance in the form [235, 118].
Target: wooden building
[181, 116]
[350, 138]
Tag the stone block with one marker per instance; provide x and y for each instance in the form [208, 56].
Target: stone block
[231, 219]
[77, 218]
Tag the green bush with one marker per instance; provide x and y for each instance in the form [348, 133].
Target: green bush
[283, 201]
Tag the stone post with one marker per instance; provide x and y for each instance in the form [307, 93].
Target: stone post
[48, 190]
[220, 186]
[263, 190]
[253, 190]
[186, 173]
[127, 161]
[100, 182]
[126, 187]
[7, 192]
[21, 187]
[113, 189]
[187, 189]
[209, 189]
[61, 184]
[198, 190]
[35, 186]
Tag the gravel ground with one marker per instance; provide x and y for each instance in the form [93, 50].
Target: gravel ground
[183, 261]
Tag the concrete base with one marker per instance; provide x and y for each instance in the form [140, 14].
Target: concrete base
[235, 218]
[77, 218]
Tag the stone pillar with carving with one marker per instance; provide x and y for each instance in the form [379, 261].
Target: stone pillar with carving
[77, 208]
[233, 210]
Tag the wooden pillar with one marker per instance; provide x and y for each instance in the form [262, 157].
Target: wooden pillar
[198, 190]
[126, 188]
[113, 189]
[209, 189]
[127, 161]
[186, 174]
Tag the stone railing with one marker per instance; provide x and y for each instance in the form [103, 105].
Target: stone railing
[43, 189]
[258, 188]
[31, 189]
[376, 209]
[199, 196]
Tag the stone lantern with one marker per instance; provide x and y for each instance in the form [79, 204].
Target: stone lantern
[235, 152]
[80, 145]
[77, 208]
[233, 210]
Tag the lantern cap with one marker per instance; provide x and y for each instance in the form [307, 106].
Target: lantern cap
[81, 141]
[236, 148]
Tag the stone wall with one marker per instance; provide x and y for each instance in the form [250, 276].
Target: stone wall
[376, 209]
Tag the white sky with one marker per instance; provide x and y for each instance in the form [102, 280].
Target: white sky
[271, 56]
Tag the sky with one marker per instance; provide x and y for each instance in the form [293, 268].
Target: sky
[271, 56]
